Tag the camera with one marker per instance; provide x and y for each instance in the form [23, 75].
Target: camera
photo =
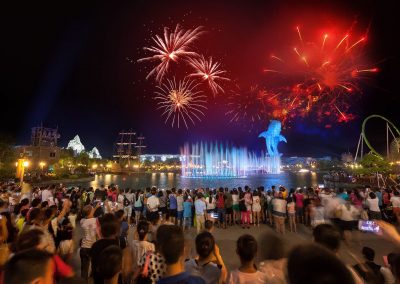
[368, 226]
[214, 215]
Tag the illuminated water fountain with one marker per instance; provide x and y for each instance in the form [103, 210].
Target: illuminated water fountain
[201, 160]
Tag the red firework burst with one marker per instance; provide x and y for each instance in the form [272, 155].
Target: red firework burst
[328, 75]
[256, 107]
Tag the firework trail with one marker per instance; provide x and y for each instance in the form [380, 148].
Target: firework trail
[329, 75]
[172, 47]
[180, 101]
[255, 107]
[208, 70]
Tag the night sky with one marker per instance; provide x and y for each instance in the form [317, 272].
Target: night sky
[73, 65]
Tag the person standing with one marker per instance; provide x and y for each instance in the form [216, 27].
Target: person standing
[247, 199]
[187, 213]
[200, 210]
[228, 207]
[235, 206]
[291, 211]
[373, 206]
[153, 204]
[256, 209]
[246, 248]
[138, 205]
[179, 208]
[299, 198]
[395, 201]
[91, 233]
[221, 197]
[173, 206]
[279, 213]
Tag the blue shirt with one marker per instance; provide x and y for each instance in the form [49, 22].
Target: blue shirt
[343, 195]
[200, 207]
[181, 278]
[187, 209]
[379, 195]
[172, 202]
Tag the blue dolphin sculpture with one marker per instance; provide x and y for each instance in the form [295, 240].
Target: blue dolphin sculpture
[273, 137]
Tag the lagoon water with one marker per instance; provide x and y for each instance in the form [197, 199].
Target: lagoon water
[169, 180]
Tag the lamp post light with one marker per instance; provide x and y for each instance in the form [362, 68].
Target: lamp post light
[42, 164]
[21, 165]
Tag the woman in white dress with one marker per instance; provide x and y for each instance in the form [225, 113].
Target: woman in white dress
[256, 209]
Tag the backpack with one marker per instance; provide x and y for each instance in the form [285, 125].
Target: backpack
[126, 202]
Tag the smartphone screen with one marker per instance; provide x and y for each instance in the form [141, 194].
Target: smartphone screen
[214, 215]
[368, 226]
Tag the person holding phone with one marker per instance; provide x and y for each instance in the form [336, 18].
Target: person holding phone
[91, 233]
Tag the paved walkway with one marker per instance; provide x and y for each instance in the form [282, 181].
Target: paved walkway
[226, 240]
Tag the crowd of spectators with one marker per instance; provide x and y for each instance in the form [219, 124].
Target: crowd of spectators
[140, 236]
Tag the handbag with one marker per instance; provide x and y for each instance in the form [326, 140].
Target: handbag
[143, 277]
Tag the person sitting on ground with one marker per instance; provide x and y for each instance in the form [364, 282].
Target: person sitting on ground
[274, 260]
[246, 249]
[35, 239]
[329, 237]
[209, 264]
[313, 264]
[141, 246]
[209, 226]
[110, 264]
[369, 270]
[109, 232]
[387, 270]
[171, 242]
[29, 267]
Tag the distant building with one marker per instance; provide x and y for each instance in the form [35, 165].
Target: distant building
[43, 148]
[159, 157]
[303, 161]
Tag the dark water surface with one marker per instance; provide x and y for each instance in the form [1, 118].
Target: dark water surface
[169, 180]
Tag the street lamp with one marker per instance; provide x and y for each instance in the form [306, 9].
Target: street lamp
[21, 165]
[42, 164]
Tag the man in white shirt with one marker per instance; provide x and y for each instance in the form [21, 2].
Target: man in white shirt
[152, 204]
[47, 195]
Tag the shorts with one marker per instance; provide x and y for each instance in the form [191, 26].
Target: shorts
[172, 212]
[229, 210]
[209, 211]
[128, 210]
[291, 214]
[299, 211]
[346, 225]
[236, 207]
[256, 208]
[138, 209]
[179, 214]
[278, 214]
[374, 215]
[163, 210]
[152, 216]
